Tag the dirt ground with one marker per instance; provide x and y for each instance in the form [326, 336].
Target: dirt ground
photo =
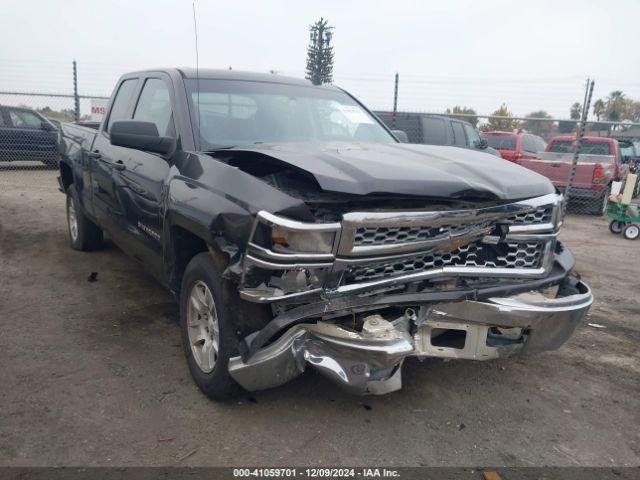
[92, 373]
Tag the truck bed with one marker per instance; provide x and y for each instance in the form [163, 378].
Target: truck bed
[556, 167]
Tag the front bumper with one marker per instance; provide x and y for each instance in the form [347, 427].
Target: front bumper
[369, 361]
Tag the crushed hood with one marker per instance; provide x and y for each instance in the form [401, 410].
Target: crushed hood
[407, 169]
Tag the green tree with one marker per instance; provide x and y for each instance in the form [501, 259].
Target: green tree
[542, 128]
[599, 108]
[457, 110]
[320, 53]
[501, 124]
[616, 106]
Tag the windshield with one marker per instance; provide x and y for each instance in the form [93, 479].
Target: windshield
[501, 142]
[588, 147]
[242, 113]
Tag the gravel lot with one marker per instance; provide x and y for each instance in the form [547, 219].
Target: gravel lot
[93, 373]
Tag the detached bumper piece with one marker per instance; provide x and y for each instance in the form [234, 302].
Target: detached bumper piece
[369, 361]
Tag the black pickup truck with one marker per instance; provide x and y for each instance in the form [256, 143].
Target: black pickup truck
[295, 231]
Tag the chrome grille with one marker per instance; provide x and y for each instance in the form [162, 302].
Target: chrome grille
[538, 216]
[475, 254]
[367, 236]
[394, 235]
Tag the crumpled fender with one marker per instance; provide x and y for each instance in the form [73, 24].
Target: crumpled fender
[218, 203]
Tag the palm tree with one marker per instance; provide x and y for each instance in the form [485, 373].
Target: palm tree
[615, 107]
[599, 108]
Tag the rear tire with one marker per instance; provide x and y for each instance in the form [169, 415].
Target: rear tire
[616, 227]
[208, 334]
[83, 233]
[599, 205]
[631, 232]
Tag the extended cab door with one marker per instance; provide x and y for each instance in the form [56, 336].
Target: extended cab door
[105, 158]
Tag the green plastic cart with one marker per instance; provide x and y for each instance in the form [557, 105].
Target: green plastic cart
[625, 219]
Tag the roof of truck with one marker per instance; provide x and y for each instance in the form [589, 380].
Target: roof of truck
[225, 74]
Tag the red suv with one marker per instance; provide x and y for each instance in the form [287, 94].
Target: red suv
[515, 146]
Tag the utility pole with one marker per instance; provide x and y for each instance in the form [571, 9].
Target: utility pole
[76, 97]
[395, 103]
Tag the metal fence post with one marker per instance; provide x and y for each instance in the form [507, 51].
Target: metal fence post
[395, 102]
[576, 153]
[76, 97]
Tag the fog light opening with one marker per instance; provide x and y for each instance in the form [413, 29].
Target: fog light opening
[448, 338]
[499, 336]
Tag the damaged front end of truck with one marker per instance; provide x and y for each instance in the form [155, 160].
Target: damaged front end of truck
[355, 293]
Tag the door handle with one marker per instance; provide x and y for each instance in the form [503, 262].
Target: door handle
[94, 154]
[119, 165]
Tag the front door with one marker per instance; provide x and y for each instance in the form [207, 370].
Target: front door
[142, 178]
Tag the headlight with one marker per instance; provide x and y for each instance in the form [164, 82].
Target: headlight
[286, 236]
[283, 240]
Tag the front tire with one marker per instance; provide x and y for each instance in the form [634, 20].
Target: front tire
[208, 335]
[83, 233]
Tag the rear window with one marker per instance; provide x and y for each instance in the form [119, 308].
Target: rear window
[501, 142]
[588, 147]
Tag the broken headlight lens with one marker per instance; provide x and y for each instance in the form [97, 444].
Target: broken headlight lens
[289, 241]
[285, 236]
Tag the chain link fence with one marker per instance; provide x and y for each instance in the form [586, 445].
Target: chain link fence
[609, 151]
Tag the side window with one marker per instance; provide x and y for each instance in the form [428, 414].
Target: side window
[154, 105]
[459, 140]
[435, 131]
[542, 145]
[121, 103]
[410, 124]
[528, 145]
[472, 135]
[24, 119]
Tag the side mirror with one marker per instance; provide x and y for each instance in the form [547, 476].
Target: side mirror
[482, 144]
[46, 126]
[140, 136]
[401, 136]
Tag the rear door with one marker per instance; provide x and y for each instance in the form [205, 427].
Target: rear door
[104, 158]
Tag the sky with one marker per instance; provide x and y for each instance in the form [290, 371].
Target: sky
[530, 55]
